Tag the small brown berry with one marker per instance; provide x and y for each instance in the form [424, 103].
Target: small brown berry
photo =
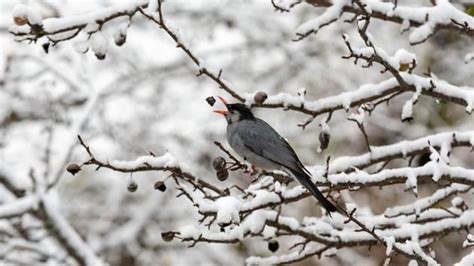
[260, 97]
[211, 100]
[132, 186]
[160, 185]
[73, 168]
[20, 21]
[167, 236]
[218, 163]
[273, 245]
[222, 175]
[404, 67]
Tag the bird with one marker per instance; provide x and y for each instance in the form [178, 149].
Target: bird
[255, 141]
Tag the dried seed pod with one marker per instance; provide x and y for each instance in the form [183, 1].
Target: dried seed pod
[324, 138]
[211, 100]
[132, 186]
[120, 35]
[224, 224]
[73, 168]
[218, 163]
[160, 185]
[120, 39]
[324, 135]
[260, 97]
[222, 175]
[46, 47]
[99, 45]
[273, 245]
[100, 56]
[167, 236]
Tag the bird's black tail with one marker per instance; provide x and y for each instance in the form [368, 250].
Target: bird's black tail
[305, 180]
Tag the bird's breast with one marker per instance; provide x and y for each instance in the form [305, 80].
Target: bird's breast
[244, 150]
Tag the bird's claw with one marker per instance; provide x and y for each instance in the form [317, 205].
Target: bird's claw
[252, 170]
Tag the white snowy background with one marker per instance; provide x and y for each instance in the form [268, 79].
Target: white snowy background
[145, 96]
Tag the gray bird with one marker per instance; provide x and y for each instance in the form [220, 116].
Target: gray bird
[258, 143]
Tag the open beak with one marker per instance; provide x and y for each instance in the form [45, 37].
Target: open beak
[222, 112]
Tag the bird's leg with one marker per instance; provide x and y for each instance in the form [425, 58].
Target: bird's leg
[253, 170]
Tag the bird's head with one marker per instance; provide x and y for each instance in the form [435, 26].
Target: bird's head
[235, 112]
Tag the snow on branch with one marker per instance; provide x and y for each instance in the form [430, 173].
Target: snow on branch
[66, 28]
[165, 163]
[18, 207]
[425, 21]
[422, 204]
[371, 93]
[336, 233]
[285, 5]
[402, 149]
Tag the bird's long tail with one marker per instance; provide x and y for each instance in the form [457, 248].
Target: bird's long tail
[305, 180]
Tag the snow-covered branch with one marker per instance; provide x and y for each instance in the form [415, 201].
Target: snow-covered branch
[334, 233]
[63, 29]
[151, 162]
[371, 93]
[425, 21]
[402, 149]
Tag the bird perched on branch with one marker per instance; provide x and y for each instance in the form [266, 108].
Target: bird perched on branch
[258, 143]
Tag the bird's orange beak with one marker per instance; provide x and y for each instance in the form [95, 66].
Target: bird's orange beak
[222, 112]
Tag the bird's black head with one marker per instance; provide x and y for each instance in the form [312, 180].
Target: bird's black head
[238, 112]
[235, 112]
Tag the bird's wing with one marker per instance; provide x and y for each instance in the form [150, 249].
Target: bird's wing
[263, 140]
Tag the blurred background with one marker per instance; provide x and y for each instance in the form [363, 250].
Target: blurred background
[145, 97]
